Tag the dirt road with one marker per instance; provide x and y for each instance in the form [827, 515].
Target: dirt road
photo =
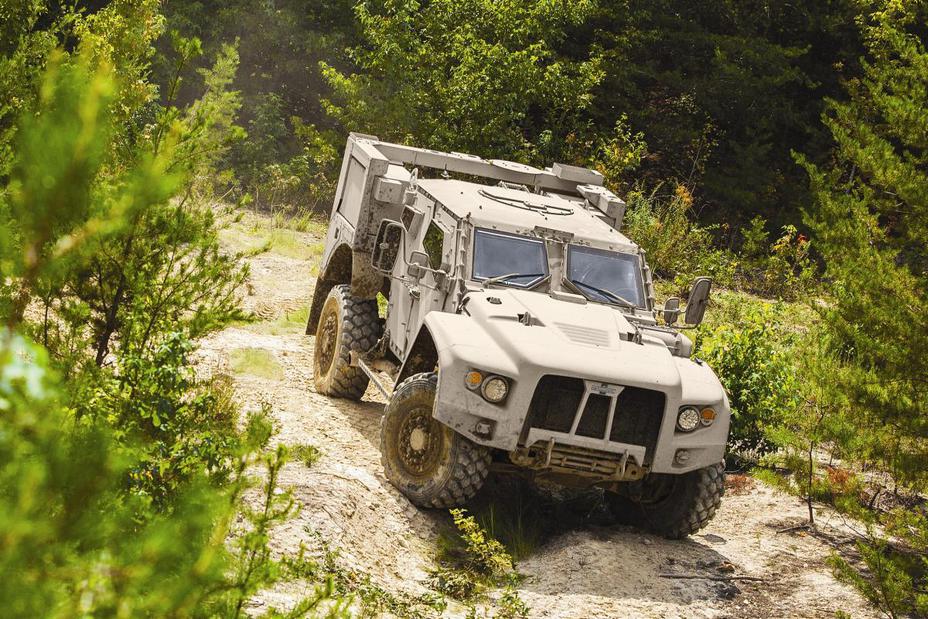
[581, 572]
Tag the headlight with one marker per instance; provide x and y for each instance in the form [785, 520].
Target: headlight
[495, 389]
[688, 419]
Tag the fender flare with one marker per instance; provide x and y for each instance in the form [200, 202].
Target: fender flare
[336, 270]
[422, 357]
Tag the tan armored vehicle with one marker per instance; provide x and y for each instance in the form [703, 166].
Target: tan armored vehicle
[520, 330]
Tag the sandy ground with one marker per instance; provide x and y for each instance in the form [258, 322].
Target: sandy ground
[587, 572]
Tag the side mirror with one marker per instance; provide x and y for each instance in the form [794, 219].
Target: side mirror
[671, 310]
[387, 246]
[698, 301]
[418, 263]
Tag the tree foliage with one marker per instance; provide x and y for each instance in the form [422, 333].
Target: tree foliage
[121, 471]
[120, 123]
[871, 222]
[478, 76]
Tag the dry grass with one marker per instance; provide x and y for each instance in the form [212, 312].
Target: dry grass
[286, 324]
[302, 238]
[738, 483]
[256, 362]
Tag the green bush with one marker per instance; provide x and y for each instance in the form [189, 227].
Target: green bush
[178, 427]
[71, 535]
[677, 248]
[753, 359]
[896, 576]
[121, 472]
[472, 561]
[781, 269]
[81, 545]
[285, 164]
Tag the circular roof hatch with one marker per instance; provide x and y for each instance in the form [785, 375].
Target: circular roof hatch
[512, 166]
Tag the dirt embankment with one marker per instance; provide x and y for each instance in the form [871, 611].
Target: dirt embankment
[585, 571]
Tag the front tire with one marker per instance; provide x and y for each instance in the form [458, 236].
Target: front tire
[672, 506]
[346, 324]
[427, 461]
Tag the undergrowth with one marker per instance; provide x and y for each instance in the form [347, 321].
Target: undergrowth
[367, 599]
[257, 362]
[286, 323]
[472, 563]
[307, 454]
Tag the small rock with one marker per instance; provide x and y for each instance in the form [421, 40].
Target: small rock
[646, 542]
[728, 591]
[726, 567]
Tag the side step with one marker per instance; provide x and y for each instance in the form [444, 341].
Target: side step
[357, 361]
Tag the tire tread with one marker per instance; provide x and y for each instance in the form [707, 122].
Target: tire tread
[470, 466]
[361, 330]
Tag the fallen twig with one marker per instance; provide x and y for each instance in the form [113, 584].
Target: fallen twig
[795, 528]
[712, 577]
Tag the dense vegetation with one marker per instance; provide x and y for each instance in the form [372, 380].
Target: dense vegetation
[780, 147]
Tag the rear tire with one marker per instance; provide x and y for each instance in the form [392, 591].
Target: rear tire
[346, 324]
[672, 506]
[427, 461]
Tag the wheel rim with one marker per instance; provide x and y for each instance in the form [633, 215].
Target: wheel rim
[326, 339]
[420, 440]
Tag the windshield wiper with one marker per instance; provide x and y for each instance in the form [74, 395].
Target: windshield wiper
[502, 278]
[605, 293]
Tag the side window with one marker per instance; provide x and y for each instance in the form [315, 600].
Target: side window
[433, 243]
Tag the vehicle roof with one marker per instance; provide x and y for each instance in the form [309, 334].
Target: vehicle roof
[519, 212]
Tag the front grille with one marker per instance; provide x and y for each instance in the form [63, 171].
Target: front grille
[637, 418]
[555, 403]
[595, 415]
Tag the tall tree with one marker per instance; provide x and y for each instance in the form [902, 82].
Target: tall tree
[871, 223]
[723, 90]
[479, 76]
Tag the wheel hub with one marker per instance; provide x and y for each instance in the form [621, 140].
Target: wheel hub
[418, 440]
[325, 342]
[420, 443]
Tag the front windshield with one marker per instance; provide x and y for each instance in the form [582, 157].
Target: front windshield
[497, 254]
[606, 276]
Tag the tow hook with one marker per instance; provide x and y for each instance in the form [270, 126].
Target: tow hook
[483, 429]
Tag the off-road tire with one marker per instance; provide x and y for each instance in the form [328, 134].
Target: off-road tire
[687, 507]
[448, 469]
[346, 324]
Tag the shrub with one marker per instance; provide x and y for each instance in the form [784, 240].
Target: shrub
[74, 542]
[307, 454]
[81, 546]
[783, 268]
[178, 426]
[473, 561]
[121, 472]
[288, 165]
[894, 574]
[753, 361]
[676, 247]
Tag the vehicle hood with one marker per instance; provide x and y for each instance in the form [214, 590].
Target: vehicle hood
[586, 340]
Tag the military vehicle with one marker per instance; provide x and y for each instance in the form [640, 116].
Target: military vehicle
[520, 332]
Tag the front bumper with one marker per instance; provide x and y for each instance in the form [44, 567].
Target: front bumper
[604, 421]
